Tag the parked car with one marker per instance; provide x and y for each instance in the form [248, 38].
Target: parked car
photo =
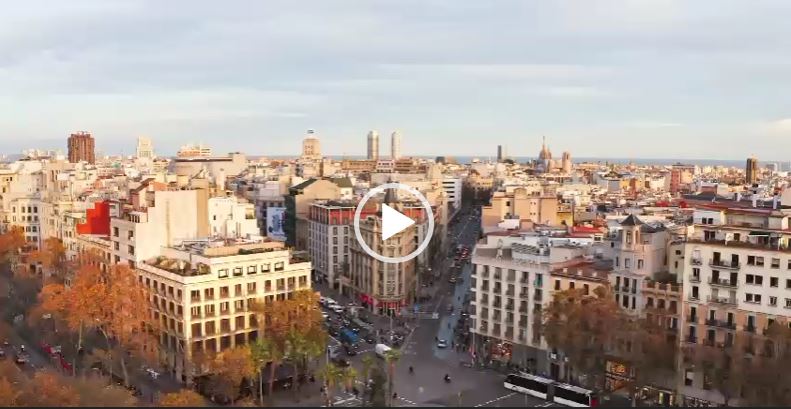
[442, 343]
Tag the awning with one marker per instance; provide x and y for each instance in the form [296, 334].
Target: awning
[759, 233]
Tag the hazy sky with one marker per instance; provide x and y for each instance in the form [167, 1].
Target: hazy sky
[642, 78]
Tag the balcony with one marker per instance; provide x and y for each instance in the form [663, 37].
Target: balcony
[723, 282]
[694, 279]
[696, 261]
[509, 292]
[721, 324]
[694, 298]
[722, 300]
[724, 264]
[750, 328]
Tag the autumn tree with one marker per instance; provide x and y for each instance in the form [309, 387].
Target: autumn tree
[182, 398]
[11, 242]
[51, 257]
[584, 328]
[49, 389]
[229, 369]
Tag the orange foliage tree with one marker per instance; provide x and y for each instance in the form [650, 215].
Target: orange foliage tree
[229, 369]
[52, 259]
[11, 242]
[184, 397]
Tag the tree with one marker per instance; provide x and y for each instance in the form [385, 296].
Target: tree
[368, 363]
[230, 368]
[584, 328]
[264, 351]
[52, 259]
[48, 389]
[123, 322]
[11, 243]
[391, 358]
[377, 393]
[9, 395]
[332, 375]
[184, 397]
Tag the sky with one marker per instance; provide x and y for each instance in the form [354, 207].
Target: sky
[703, 79]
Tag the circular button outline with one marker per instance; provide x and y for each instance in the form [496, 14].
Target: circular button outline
[381, 189]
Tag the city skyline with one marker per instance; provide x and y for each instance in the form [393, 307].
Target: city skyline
[669, 81]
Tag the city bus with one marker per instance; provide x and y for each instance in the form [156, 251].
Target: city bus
[575, 396]
[529, 384]
[547, 389]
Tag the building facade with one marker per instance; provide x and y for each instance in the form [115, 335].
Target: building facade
[81, 147]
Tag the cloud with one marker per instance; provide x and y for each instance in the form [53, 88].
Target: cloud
[652, 125]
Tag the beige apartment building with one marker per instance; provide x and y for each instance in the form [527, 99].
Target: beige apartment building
[298, 203]
[383, 287]
[514, 278]
[519, 204]
[201, 292]
[736, 283]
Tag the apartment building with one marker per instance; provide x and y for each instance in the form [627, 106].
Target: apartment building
[298, 203]
[639, 253]
[736, 283]
[520, 204]
[201, 292]
[230, 217]
[514, 278]
[452, 187]
[383, 288]
[331, 230]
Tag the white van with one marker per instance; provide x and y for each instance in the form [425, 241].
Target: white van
[381, 350]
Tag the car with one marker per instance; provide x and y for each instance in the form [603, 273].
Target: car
[324, 315]
[336, 308]
[341, 362]
[442, 343]
[370, 338]
[21, 358]
[351, 350]
[452, 280]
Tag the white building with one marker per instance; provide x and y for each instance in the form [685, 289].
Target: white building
[373, 145]
[452, 187]
[145, 149]
[202, 291]
[395, 145]
[230, 218]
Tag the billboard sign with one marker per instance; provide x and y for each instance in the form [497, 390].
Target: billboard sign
[275, 219]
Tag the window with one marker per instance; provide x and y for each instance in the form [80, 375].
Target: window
[251, 288]
[752, 298]
[678, 252]
[773, 301]
[585, 289]
[755, 279]
[627, 263]
[617, 262]
[222, 273]
[759, 261]
[751, 260]
[788, 283]
[774, 282]
[775, 263]
[265, 268]
[237, 271]
[639, 264]
[279, 266]
[557, 285]
[115, 232]
[571, 285]
[131, 250]
[116, 245]
[789, 264]
[252, 269]
[788, 305]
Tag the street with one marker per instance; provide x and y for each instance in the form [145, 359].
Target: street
[468, 386]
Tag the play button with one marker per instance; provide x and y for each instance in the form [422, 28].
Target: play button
[393, 222]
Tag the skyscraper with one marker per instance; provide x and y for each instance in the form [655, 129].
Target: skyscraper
[145, 149]
[751, 170]
[499, 153]
[395, 145]
[373, 145]
[81, 147]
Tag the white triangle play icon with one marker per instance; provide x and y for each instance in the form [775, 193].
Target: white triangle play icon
[393, 221]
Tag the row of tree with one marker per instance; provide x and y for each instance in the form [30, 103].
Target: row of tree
[592, 330]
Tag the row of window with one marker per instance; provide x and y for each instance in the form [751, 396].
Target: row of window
[254, 269]
[25, 209]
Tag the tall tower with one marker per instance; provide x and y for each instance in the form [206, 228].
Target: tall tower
[311, 147]
[751, 170]
[373, 145]
[81, 147]
[395, 145]
[145, 149]
[499, 153]
[566, 162]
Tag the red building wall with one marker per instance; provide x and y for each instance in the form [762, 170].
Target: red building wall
[97, 220]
